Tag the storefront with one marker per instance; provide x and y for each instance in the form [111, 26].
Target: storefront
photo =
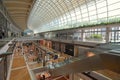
[62, 47]
[42, 42]
[53, 45]
[69, 49]
[49, 44]
[56, 46]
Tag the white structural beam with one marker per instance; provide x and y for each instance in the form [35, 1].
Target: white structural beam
[17, 2]
[18, 12]
[21, 8]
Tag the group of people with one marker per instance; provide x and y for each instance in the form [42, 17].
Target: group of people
[43, 76]
[18, 49]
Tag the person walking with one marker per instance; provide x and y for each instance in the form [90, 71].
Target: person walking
[43, 77]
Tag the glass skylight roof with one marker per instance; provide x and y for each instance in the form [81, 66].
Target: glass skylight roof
[48, 15]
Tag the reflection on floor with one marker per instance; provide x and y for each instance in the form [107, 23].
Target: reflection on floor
[19, 69]
[18, 62]
[20, 74]
[35, 65]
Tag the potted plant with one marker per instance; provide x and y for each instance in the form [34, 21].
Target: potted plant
[95, 37]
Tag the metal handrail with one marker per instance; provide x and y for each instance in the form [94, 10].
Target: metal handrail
[5, 54]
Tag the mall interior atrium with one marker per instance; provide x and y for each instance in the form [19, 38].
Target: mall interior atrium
[59, 39]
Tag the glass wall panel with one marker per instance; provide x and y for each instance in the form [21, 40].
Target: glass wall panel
[95, 35]
[115, 34]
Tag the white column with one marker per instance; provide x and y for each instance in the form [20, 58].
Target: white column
[107, 37]
[82, 35]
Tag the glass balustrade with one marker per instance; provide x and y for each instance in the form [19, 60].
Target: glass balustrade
[66, 61]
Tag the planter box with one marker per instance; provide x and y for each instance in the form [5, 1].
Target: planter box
[94, 39]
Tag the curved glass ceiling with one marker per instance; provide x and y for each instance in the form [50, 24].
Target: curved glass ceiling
[48, 15]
